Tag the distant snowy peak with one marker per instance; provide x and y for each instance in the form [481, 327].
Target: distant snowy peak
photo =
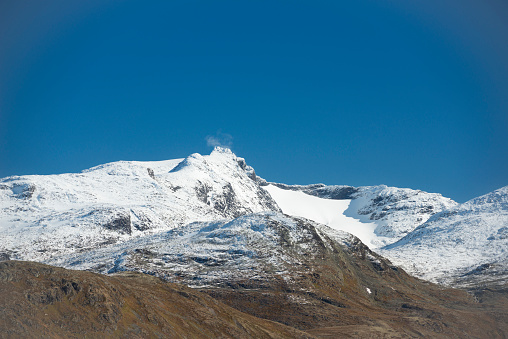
[398, 211]
[387, 212]
[492, 201]
[465, 244]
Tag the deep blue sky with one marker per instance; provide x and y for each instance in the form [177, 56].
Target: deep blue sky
[340, 92]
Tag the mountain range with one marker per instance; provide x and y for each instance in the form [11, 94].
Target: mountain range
[328, 260]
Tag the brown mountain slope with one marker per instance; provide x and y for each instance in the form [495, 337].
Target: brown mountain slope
[37, 300]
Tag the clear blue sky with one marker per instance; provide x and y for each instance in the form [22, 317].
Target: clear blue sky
[404, 93]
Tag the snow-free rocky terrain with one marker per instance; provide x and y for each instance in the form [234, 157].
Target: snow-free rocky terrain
[114, 216]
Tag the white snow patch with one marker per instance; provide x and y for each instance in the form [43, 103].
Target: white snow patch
[325, 211]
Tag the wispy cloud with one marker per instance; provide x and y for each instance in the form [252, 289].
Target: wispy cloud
[219, 139]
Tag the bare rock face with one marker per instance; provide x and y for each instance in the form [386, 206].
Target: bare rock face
[121, 224]
[338, 192]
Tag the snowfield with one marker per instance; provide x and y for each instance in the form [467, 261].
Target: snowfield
[328, 212]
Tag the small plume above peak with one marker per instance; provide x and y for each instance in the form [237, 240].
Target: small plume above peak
[220, 139]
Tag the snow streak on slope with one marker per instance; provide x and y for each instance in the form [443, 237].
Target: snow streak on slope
[466, 244]
[43, 216]
[325, 211]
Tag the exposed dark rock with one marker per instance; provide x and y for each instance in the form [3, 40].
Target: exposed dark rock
[241, 162]
[144, 252]
[322, 191]
[151, 174]
[427, 209]
[252, 175]
[227, 203]
[297, 187]
[478, 270]
[23, 190]
[142, 222]
[202, 191]
[47, 297]
[377, 216]
[411, 307]
[121, 224]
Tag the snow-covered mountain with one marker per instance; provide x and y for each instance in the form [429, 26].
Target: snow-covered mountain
[53, 215]
[428, 235]
[465, 245]
[173, 215]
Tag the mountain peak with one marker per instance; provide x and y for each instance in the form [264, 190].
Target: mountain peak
[222, 149]
[220, 159]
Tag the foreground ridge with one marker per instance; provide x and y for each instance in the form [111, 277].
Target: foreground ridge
[39, 300]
